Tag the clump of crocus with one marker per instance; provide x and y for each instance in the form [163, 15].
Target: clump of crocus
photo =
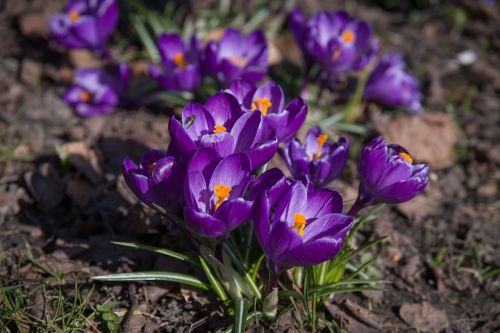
[278, 121]
[222, 125]
[304, 227]
[85, 24]
[317, 160]
[390, 84]
[96, 91]
[214, 190]
[388, 174]
[236, 55]
[157, 180]
[181, 63]
[335, 40]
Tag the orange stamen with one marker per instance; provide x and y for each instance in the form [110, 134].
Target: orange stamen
[299, 223]
[262, 104]
[321, 139]
[238, 61]
[85, 96]
[407, 157]
[179, 60]
[219, 129]
[348, 36]
[73, 16]
[151, 167]
[222, 193]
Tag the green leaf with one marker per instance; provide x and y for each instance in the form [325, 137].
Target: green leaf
[333, 286]
[214, 282]
[240, 315]
[246, 275]
[109, 316]
[154, 276]
[158, 250]
[346, 290]
[291, 293]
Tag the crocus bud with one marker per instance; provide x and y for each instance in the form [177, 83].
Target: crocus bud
[157, 180]
[316, 160]
[388, 174]
[391, 85]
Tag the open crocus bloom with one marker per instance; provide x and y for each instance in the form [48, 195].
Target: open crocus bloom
[156, 180]
[305, 227]
[96, 91]
[390, 84]
[236, 55]
[279, 121]
[214, 191]
[317, 160]
[335, 40]
[181, 63]
[388, 174]
[85, 24]
[222, 125]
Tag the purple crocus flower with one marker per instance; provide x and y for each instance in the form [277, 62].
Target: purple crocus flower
[388, 174]
[85, 24]
[222, 125]
[96, 91]
[158, 179]
[181, 63]
[304, 227]
[336, 40]
[279, 121]
[390, 84]
[236, 55]
[317, 160]
[214, 191]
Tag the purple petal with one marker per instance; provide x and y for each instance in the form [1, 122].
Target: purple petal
[234, 213]
[204, 224]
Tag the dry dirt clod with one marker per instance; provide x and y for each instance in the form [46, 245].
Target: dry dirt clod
[83, 158]
[418, 133]
[424, 317]
[46, 186]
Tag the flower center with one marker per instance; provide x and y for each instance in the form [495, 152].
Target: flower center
[321, 139]
[219, 129]
[85, 96]
[222, 193]
[299, 223]
[407, 157]
[179, 60]
[262, 104]
[73, 16]
[151, 167]
[348, 37]
[238, 61]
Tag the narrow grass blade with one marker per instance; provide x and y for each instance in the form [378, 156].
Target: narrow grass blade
[154, 276]
[346, 290]
[159, 250]
[335, 285]
[240, 315]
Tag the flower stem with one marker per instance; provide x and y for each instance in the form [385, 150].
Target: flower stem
[273, 281]
[356, 207]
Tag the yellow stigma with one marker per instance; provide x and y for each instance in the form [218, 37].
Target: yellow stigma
[85, 96]
[219, 129]
[222, 193]
[407, 157]
[238, 61]
[348, 37]
[180, 60]
[73, 15]
[262, 104]
[299, 223]
[321, 139]
[151, 167]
